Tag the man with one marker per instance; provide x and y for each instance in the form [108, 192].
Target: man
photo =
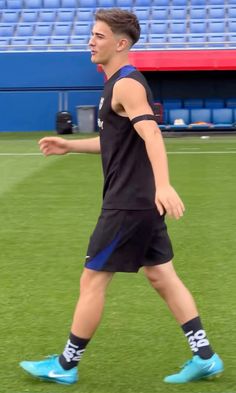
[131, 231]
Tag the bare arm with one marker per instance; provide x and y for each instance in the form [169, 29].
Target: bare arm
[57, 145]
[135, 104]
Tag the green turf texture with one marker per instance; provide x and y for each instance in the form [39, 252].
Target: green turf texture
[48, 208]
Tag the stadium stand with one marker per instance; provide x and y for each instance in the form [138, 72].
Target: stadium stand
[211, 113]
[180, 24]
[166, 25]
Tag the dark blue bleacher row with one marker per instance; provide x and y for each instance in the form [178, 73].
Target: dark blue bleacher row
[165, 24]
[211, 113]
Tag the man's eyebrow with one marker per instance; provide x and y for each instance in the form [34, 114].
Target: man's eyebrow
[98, 34]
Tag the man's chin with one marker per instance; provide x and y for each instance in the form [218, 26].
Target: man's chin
[93, 60]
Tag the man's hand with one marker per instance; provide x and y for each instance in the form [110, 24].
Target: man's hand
[53, 145]
[168, 201]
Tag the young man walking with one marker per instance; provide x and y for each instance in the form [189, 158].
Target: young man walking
[131, 232]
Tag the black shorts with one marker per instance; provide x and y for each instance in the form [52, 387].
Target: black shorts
[125, 240]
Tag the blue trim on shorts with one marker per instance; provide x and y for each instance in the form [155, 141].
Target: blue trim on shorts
[100, 259]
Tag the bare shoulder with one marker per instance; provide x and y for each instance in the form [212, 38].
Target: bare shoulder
[128, 89]
[130, 84]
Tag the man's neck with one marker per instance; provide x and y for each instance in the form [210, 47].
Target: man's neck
[111, 68]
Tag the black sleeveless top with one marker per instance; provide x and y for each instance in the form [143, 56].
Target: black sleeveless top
[128, 176]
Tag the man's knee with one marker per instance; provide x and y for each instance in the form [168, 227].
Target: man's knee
[92, 280]
[160, 275]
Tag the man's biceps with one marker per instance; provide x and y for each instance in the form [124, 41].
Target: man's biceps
[140, 129]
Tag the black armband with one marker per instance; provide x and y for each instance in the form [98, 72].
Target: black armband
[143, 117]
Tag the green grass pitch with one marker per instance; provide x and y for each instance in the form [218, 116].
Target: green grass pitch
[48, 208]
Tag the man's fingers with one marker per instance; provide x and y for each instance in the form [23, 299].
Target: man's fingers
[173, 208]
[160, 208]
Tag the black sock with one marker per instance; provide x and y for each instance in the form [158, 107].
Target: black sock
[73, 351]
[197, 338]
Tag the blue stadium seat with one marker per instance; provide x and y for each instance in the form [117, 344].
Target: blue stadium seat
[222, 116]
[231, 12]
[216, 2]
[141, 44]
[178, 13]
[78, 43]
[197, 27]
[124, 3]
[198, 2]
[216, 40]
[52, 3]
[232, 40]
[19, 43]
[14, 4]
[176, 41]
[65, 15]
[232, 26]
[33, 3]
[62, 29]
[216, 27]
[200, 115]
[47, 16]
[157, 41]
[69, 3]
[142, 3]
[213, 103]
[175, 114]
[84, 14]
[4, 42]
[142, 12]
[2, 4]
[106, 3]
[232, 2]
[193, 103]
[234, 116]
[197, 13]
[179, 27]
[7, 30]
[43, 29]
[24, 30]
[87, 3]
[81, 28]
[144, 27]
[157, 14]
[197, 41]
[172, 103]
[38, 43]
[9, 16]
[216, 13]
[230, 103]
[58, 43]
[29, 16]
[179, 3]
[160, 3]
[159, 28]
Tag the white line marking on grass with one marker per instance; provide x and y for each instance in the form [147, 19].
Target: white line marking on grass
[189, 148]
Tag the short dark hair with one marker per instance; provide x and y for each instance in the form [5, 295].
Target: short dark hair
[120, 22]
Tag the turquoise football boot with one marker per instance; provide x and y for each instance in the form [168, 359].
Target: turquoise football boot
[51, 370]
[196, 369]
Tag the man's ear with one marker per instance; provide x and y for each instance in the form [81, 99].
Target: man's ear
[122, 44]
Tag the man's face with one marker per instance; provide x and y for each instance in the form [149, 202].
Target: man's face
[103, 43]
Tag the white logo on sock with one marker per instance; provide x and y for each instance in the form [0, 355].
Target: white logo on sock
[197, 340]
[72, 353]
